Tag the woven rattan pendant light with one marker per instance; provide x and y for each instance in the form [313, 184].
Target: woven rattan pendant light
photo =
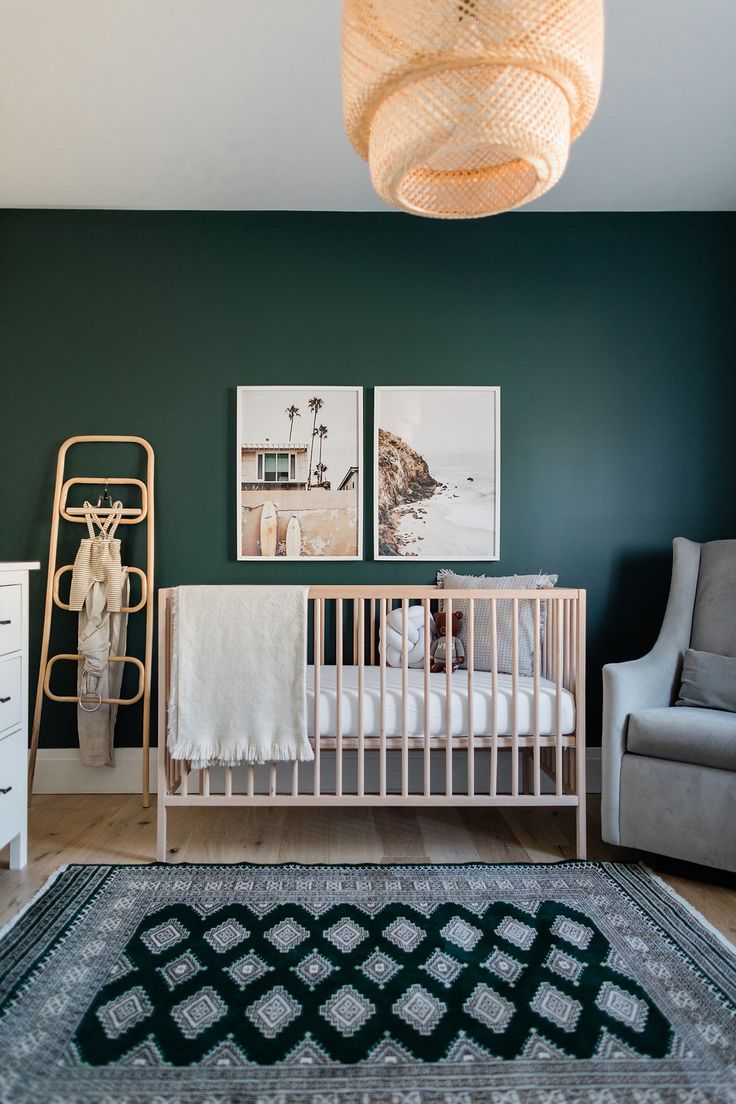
[465, 108]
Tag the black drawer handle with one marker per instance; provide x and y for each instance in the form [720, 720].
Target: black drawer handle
[6, 622]
[5, 789]
[4, 700]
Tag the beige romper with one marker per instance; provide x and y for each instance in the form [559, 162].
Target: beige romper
[98, 560]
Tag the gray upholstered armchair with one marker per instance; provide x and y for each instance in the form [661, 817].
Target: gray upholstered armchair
[669, 774]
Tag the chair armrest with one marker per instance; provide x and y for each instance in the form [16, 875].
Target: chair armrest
[646, 683]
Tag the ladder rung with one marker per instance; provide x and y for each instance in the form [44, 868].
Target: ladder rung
[104, 511]
[75, 657]
[123, 609]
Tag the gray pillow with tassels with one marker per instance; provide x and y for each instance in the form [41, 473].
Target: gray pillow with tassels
[482, 651]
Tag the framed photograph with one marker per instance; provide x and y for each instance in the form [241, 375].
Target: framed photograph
[436, 487]
[299, 458]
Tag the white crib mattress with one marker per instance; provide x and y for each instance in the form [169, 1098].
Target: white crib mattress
[482, 704]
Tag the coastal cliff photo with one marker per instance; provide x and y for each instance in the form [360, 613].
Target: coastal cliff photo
[437, 473]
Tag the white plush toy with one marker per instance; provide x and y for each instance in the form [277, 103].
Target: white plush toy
[414, 636]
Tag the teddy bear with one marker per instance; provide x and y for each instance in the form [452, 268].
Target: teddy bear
[438, 648]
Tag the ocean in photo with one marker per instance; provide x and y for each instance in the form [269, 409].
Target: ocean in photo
[458, 520]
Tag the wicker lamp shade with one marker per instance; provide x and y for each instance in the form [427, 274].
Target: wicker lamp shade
[465, 108]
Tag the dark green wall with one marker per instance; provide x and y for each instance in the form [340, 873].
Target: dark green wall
[612, 338]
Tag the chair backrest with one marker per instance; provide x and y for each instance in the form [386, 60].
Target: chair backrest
[714, 615]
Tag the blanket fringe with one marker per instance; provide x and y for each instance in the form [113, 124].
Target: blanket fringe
[214, 754]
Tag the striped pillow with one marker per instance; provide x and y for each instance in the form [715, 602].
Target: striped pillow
[482, 651]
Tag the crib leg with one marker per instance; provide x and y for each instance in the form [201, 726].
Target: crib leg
[161, 828]
[581, 847]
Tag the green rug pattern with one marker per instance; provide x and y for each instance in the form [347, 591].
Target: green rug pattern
[336, 985]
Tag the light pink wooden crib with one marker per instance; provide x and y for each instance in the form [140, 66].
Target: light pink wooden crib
[400, 736]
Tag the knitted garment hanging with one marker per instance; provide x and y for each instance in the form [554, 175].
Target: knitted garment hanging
[98, 560]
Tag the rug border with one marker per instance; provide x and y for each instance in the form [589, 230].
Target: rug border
[685, 904]
[664, 886]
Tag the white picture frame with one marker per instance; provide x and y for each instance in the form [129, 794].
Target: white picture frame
[457, 432]
[293, 469]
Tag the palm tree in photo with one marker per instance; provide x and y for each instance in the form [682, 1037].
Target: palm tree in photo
[321, 433]
[315, 405]
[320, 470]
[292, 412]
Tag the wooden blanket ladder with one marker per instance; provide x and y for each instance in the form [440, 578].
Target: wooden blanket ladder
[130, 516]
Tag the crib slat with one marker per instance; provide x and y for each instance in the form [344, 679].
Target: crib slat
[382, 694]
[559, 630]
[228, 781]
[295, 778]
[251, 780]
[574, 646]
[322, 631]
[338, 692]
[404, 696]
[535, 704]
[317, 631]
[515, 697]
[494, 700]
[569, 614]
[470, 663]
[372, 615]
[205, 782]
[580, 727]
[361, 683]
[567, 654]
[272, 780]
[427, 748]
[448, 696]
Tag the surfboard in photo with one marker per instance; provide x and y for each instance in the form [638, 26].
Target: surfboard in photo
[268, 529]
[293, 538]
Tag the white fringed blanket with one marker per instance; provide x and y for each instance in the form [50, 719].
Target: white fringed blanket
[238, 671]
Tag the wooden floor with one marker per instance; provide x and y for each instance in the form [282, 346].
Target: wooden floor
[115, 829]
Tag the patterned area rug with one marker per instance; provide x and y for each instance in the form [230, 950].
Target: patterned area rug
[536, 984]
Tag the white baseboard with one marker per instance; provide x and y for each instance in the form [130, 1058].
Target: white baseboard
[60, 771]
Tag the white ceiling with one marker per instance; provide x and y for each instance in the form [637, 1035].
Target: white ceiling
[235, 105]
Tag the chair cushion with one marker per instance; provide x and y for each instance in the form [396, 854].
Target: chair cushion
[708, 681]
[705, 737]
[714, 614]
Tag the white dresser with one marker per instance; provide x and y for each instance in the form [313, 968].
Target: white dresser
[14, 709]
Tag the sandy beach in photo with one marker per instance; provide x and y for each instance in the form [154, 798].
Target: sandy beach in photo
[458, 519]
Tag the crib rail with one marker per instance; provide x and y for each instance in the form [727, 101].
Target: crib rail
[369, 760]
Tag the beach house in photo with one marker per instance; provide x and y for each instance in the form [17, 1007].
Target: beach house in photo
[264, 463]
[349, 481]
